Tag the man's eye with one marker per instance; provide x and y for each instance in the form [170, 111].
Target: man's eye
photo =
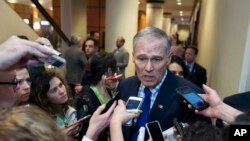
[157, 59]
[142, 59]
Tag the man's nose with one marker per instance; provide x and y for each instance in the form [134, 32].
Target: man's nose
[149, 66]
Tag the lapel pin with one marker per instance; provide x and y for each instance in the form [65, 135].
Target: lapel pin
[160, 106]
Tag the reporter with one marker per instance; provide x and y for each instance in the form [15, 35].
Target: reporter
[16, 53]
[28, 123]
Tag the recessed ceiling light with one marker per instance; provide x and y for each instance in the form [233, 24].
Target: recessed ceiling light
[179, 3]
[12, 1]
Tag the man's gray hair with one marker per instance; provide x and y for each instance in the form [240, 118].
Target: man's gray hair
[153, 32]
[75, 39]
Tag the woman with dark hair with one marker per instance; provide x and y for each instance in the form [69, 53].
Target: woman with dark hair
[177, 66]
[102, 65]
[49, 92]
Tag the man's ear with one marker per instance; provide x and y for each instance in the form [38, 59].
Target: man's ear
[133, 56]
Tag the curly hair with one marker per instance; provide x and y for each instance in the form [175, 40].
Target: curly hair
[39, 89]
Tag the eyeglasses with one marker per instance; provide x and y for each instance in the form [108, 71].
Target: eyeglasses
[8, 83]
[20, 82]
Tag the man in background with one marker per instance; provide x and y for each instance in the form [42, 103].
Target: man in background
[196, 73]
[76, 63]
[121, 56]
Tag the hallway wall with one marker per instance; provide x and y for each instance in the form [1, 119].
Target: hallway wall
[222, 43]
[12, 24]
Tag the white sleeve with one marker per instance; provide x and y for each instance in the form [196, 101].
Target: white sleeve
[86, 139]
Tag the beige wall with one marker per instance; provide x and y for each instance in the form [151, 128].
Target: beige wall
[121, 20]
[12, 24]
[183, 32]
[222, 42]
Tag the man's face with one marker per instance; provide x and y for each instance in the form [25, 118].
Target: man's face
[23, 88]
[190, 55]
[119, 42]
[7, 94]
[90, 48]
[150, 60]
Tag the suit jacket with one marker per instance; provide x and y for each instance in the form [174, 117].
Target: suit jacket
[198, 75]
[122, 58]
[168, 104]
[239, 101]
[75, 65]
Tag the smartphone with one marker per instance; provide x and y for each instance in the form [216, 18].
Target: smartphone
[116, 97]
[133, 104]
[54, 60]
[178, 126]
[80, 120]
[154, 130]
[192, 98]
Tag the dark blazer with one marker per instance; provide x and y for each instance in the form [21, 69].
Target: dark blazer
[122, 58]
[240, 101]
[168, 104]
[75, 64]
[198, 75]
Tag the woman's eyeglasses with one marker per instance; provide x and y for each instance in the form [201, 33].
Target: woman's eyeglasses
[20, 82]
[17, 82]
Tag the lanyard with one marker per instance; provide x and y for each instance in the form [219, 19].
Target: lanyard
[98, 94]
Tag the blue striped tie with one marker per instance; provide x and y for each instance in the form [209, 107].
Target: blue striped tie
[142, 119]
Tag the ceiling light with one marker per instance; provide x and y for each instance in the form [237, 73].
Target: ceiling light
[181, 12]
[33, 5]
[179, 3]
[27, 21]
[44, 23]
[12, 1]
[36, 25]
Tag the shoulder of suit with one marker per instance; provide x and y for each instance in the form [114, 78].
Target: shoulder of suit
[133, 80]
[199, 66]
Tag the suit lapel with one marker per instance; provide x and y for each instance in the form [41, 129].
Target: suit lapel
[164, 98]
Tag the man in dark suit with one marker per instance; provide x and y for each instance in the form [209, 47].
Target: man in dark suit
[238, 101]
[76, 63]
[197, 74]
[151, 46]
